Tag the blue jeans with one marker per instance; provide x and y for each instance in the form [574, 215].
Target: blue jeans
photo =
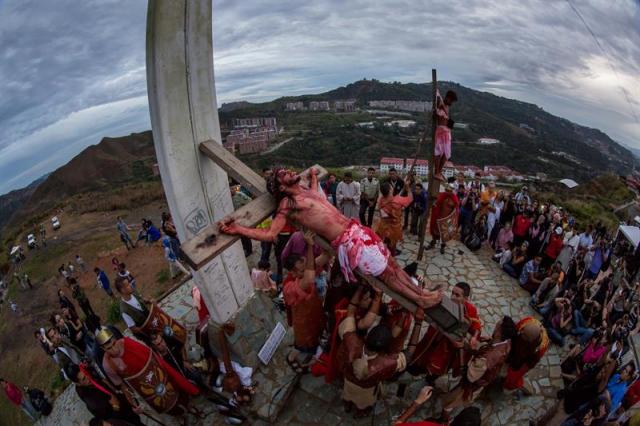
[544, 310]
[555, 336]
[580, 329]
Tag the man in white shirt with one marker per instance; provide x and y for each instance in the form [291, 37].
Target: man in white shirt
[134, 312]
[348, 196]
[586, 238]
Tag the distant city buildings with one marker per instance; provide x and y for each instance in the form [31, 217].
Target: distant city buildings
[342, 105]
[387, 163]
[403, 165]
[421, 167]
[245, 141]
[239, 123]
[294, 106]
[400, 105]
[319, 106]
[488, 141]
[403, 124]
[348, 105]
[251, 135]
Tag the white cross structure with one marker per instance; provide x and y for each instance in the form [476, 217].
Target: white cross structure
[186, 133]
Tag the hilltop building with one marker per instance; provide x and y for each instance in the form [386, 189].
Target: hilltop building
[239, 123]
[294, 106]
[386, 163]
[319, 106]
[348, 105]
[413, 106]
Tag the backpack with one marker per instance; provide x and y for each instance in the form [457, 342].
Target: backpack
[473, 242]
[40, 402]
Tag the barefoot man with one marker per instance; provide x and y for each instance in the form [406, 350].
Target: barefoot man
[442, 151]
[357, 247]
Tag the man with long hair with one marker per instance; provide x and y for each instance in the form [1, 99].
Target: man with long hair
[357, 247]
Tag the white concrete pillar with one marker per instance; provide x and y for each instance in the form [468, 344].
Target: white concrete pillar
[183, 107]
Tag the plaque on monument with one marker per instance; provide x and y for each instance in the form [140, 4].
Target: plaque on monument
[272, 343]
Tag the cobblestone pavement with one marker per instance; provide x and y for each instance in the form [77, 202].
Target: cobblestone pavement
[313, 402]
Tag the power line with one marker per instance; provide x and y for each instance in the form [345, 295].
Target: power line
[606, 56]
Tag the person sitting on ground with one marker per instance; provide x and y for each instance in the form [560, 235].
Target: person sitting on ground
[546, 293]
[505, 236]
[505, 256]
[529, 278]
[514, 266]
[595, 349]
[261, 278]
[617, 387]
[558, 320]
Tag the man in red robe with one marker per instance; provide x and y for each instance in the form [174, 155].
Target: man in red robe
[134, 366]
[435, 354]
[446, 203]
[305, 304]
[529, 347]
[482, 369]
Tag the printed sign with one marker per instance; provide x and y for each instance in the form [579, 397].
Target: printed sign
[272, 343]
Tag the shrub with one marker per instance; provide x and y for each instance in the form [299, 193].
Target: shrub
[113, 313]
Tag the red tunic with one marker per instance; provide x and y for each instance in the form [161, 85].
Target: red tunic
[445, 204]
[535, 339]
[307, 314]
[554, 247]
[397, 316]
[521, 225]
[135, 358]
[436, 354]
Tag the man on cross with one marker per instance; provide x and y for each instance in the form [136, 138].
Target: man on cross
[356, 245]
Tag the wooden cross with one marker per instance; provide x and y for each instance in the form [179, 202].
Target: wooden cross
[210, 242]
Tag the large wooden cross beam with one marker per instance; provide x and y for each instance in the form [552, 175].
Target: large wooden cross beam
[209, 243]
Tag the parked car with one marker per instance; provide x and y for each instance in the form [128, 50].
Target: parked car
[31, 241]
[55, 222]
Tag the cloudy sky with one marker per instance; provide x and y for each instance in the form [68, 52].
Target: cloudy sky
[74, 71]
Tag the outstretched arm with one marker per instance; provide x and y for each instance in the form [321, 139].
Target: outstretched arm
[310, 262]
[229, 226]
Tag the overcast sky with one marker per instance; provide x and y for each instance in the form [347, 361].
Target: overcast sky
[72, 72]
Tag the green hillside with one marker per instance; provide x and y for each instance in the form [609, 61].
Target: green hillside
[555, 146]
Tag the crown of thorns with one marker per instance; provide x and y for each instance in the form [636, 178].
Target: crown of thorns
[272, 183]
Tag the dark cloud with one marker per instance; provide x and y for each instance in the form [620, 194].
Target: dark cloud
[73, 71]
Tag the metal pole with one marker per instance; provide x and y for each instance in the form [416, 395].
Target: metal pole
[434, 185]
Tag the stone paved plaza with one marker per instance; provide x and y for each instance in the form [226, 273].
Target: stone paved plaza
[313, 402]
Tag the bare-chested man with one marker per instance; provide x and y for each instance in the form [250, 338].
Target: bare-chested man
[442, 151]
[357, 246]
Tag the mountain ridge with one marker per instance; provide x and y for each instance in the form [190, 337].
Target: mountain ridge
[534, 140]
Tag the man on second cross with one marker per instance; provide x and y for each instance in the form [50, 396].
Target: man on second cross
[370, 189]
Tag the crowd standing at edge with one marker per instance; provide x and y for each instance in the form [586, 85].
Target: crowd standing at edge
[582, 283]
